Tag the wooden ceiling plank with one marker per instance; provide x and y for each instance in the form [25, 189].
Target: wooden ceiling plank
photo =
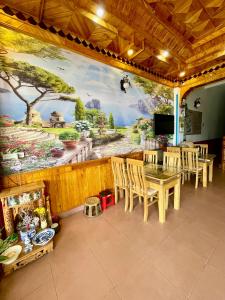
[49, 37]
[180, 37]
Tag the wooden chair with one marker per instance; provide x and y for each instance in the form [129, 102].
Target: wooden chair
[173, 149]
[120, 178]
[150, 156]
[190, 163]
[171, 159]
[137, 185]
[203, 148]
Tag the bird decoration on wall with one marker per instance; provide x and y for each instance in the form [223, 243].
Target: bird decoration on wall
[125, 83]
[197, 102]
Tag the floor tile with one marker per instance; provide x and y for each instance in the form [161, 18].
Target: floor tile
[210, 286]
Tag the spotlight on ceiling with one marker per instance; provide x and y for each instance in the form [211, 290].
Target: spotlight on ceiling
[130, 52]
[100, 12]
[182, 73]
[165, 53]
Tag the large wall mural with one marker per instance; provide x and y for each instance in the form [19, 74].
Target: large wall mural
[58, 107]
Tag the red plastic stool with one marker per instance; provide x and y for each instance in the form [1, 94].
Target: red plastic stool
[107, 199]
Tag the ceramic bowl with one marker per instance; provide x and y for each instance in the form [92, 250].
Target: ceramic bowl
[12, 253]
[43, 237]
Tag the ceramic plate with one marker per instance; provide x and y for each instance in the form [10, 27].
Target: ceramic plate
[12, 253]
[43, 237]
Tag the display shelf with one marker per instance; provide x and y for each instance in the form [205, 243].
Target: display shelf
[26, 258]
[25, 188]
[10, 211]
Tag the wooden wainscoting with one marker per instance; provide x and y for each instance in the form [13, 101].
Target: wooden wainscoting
[69, 185]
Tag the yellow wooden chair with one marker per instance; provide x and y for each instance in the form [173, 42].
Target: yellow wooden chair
[203, 149]
[190, 163]
[171, 159]
[150, 156]
[120, 178]
[173, 149]
[137, 185]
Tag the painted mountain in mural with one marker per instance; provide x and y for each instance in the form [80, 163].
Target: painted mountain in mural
[50, 95]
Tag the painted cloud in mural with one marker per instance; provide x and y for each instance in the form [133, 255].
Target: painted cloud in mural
[50, 97]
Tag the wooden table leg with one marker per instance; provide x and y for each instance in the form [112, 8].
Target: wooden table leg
[205, 177]
[211, 171]
[177, 195]
[161, 204]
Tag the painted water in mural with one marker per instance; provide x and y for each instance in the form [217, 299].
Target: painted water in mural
[58, 107]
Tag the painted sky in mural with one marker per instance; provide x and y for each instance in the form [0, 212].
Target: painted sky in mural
[119, 116]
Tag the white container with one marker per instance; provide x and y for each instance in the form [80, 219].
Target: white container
[9, 156]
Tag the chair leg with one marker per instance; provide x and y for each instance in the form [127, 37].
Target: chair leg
[131, 201]
[145, 209]
[140, 199]
[196, 180]
[189, 176]
[167, 199]
[183, 176]
[116, 194]
[126, 199]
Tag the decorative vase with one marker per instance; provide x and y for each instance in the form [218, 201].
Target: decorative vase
[44, 223]
[70, 144]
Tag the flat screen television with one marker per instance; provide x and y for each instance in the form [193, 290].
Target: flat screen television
[163, 124]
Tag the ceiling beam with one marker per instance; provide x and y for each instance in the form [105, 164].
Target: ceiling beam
[96, 20]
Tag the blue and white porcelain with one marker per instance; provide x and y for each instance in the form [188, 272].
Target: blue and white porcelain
[43, 237]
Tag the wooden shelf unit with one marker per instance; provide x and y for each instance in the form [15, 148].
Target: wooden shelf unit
[26, 258]
[9, 212]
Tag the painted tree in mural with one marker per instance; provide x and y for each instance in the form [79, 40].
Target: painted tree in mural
[25, 44]
[79, 110]
[161, 101]
[111, 121]
[48, 86]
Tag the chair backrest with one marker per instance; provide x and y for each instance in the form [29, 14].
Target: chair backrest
[119, 172]
[136, 176]
[203, 148]
[173, 149]
[151, 156]
[190, 158]
[171, 159]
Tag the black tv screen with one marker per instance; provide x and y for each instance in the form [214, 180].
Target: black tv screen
[164, 124]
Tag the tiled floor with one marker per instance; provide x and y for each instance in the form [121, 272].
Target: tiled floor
[117, 256]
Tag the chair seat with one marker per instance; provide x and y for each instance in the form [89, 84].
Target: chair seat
[195, 170]
[151, 192]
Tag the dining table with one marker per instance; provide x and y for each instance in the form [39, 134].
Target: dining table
[206, 161]
[162, 178]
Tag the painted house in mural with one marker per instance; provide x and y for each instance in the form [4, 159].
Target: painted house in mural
[58, 107]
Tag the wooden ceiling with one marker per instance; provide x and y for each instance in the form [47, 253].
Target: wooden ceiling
[193, 31]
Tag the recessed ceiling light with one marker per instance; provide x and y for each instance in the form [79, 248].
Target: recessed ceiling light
[182, 73]
[165, 53]
[130, 52]
[100, 12]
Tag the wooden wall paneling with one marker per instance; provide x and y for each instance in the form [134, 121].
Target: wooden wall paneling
[69, 186]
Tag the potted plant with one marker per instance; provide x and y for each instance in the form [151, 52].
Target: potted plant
[57, 152]
[162, 140]
[83, 127]
[69, 139]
